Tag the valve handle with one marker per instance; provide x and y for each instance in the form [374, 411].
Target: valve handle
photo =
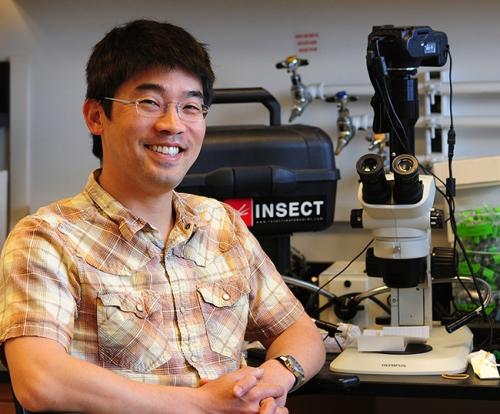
[291, 63]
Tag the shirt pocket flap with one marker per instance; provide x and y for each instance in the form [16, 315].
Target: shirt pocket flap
[223, 295]
[141, 304]
[115, 256]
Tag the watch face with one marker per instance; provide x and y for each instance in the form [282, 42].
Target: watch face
[294, 367]
[295, 363]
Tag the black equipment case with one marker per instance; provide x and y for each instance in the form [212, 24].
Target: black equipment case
[281, 178]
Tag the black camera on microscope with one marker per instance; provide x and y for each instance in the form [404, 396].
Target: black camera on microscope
[406, 47]
[393, 56]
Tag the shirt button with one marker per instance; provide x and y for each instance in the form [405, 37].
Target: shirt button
[182, 309]
[139, 307]
[194, 358]
[226, 296]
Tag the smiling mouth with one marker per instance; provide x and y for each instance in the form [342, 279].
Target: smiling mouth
[162, 149]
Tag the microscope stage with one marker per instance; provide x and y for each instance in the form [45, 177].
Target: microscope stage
[448, 355]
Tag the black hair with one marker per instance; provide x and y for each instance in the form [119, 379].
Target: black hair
[139, 45]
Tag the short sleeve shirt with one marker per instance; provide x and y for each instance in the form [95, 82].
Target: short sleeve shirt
[90, 275]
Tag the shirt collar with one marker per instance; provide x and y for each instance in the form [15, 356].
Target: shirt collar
[128, 223]
[188, 218]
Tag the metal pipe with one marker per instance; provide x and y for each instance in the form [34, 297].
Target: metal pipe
[321, 90]
[430, 121]
[308, 286]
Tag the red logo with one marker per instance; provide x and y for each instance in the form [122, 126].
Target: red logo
[244, 206]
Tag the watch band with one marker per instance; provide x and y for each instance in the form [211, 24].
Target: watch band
[292, 365]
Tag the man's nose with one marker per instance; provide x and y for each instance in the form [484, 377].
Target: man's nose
[170, 120]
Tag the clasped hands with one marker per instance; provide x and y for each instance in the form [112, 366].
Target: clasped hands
[244, 391]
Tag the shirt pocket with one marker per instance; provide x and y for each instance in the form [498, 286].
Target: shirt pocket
[130, 330]
[225, 306]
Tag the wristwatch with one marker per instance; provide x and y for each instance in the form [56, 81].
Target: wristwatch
[292, 365]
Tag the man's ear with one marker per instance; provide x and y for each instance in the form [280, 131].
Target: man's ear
[93, 115]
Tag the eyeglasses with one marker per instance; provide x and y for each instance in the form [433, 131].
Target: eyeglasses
[188, 110]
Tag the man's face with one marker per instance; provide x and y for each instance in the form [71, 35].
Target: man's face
[151, 155]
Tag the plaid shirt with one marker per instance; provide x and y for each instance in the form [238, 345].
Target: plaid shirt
[89, 274]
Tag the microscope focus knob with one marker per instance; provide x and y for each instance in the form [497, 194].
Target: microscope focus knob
[346, 308]
[444, 262]
[357, 218]
[437, 218]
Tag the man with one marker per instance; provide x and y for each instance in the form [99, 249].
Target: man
[130, 297]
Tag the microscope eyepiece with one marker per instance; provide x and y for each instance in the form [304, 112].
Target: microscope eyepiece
[408, 188]
[376, 189]
[405, 164]
[369, 165]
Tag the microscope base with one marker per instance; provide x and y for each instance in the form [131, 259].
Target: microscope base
[448, 355]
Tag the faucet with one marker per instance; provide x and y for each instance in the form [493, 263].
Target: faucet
[378, 142]
[345, 127]
[301, 96]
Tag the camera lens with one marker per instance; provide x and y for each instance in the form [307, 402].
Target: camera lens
[376, 189]
[408, 188]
